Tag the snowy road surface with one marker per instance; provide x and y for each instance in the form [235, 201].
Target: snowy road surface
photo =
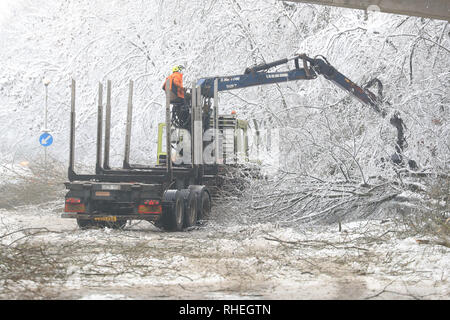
[366, 260]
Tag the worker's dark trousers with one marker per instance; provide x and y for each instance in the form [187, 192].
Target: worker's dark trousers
[177, 100]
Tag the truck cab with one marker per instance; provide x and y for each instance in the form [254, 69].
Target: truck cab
[233, 140]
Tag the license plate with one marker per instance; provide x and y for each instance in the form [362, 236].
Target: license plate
[109, 219]
[110, 186]
[102, 193]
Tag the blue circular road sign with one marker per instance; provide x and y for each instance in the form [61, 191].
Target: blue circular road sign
[46, 139]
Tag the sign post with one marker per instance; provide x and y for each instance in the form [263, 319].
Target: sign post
[46, 138]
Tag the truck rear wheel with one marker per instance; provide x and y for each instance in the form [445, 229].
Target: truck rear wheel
[190, 208]
[173, 211]
[203, 201]
[206, 205]
[84, 224]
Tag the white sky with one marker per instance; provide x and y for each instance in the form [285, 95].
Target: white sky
[5, 9]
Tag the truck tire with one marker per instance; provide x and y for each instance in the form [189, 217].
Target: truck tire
[173, 211]
[206, 205]
[84, 224]
[203, 201]
[190, 208]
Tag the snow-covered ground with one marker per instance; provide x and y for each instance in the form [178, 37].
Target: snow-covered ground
[366, 260]
[13, 173]
[332, 153]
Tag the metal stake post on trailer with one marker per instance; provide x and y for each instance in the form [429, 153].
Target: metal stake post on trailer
[199, 139]
[197, 132]
[98, 166]
[168, 132]
[107, 126]
[126, 160]
[216, 121]
[193, 103]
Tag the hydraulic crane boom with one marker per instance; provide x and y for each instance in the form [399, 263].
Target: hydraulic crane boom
[311, 68]
[254, 77]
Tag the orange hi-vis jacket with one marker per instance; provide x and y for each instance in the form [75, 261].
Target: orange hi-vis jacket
[175, 85]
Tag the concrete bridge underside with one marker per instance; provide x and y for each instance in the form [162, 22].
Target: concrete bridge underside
[435, 9]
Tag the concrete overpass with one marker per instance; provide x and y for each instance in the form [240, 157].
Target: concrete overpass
[435, 9]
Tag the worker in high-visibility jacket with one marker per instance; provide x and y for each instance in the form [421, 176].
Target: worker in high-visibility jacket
[176, 89]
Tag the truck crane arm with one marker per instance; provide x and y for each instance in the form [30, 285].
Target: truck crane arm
[321, 66]
[311, 68]
[256, 76]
